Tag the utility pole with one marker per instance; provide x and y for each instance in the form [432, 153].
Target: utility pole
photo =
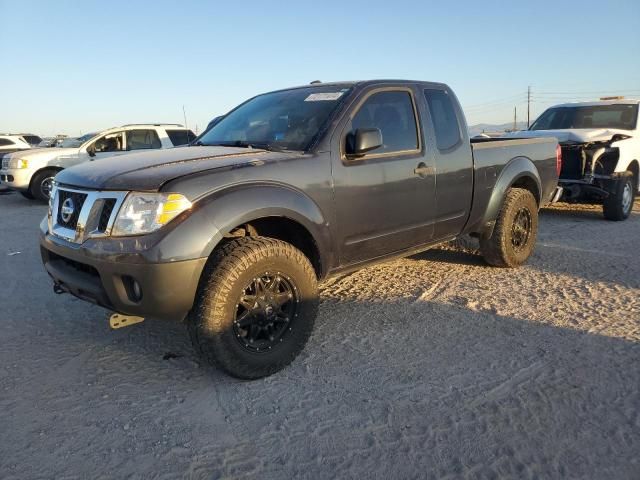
[528, 104]
[184, 114]
[515, 123]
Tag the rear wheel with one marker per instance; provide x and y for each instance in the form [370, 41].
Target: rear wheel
[255, 308]
[618, 205]
[515, 232]
[41, 185]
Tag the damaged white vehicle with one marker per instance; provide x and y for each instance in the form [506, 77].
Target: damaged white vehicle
[600, 144]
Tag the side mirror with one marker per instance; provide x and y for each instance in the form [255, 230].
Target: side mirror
[91, 151]
[364, 140]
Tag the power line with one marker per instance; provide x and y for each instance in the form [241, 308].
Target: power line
[498, 100]
[495, 106]
[539, 97]
[531, 95]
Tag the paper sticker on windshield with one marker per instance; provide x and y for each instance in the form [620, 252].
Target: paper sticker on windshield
[323, 97]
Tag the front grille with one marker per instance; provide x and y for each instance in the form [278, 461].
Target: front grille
[74, 201]
[78, 266]
[91, 215]
[105, 214]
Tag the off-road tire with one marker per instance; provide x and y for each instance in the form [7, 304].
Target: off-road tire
[211, 322]
[26, 195]
[619, 204]
[36, 188]
[500, 250]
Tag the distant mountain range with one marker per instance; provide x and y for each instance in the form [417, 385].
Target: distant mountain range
[495, 128]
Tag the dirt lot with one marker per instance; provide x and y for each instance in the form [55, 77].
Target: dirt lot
[435, 366]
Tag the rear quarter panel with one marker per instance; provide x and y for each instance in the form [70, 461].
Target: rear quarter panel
[501, 163]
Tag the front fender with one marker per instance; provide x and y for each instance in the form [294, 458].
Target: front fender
[216, 214]
[63, 161]
[518, 169]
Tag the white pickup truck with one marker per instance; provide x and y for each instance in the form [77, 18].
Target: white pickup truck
[31, 172]
[600, 144]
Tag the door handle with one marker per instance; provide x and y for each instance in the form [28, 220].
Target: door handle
[423, 170]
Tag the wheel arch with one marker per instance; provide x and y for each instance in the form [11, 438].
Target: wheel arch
[42, 169]
[266, 210]
[520, 172]
[281, 228]
[634, 167]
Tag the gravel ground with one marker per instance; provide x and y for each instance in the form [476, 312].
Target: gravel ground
[434, 366]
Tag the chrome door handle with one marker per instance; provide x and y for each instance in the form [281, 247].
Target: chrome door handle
[423, 170]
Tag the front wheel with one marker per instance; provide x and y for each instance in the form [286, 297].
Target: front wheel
[618, 205]
[41, 185]
[515, 232]
[255, 307]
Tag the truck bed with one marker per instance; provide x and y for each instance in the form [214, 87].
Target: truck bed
[492, 156]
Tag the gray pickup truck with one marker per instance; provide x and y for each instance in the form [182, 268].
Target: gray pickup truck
[232, 233]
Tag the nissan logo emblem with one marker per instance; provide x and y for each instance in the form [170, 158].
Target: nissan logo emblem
[67, 210]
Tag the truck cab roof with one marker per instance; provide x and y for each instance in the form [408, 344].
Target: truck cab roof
[361, 83]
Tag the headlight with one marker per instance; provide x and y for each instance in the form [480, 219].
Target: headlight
[147, 212]
[18, 163]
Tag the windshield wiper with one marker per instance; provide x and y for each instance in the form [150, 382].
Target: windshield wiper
[256, 145]
[244, 144]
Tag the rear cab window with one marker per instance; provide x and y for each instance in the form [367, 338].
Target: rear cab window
[180, 137]
[444, 117]
[5, 141]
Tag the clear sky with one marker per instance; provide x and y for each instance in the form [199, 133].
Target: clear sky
[78, 66]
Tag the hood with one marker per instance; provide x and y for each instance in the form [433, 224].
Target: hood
[582, 135]
[45, 154]
[148, 171]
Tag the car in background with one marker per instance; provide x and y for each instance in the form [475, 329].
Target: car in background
[600, 144]
[31, 139]
[12, 143]
[72, 142]
[32, 172]
[48, 142]
[52, 142]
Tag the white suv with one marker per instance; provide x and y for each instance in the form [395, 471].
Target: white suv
[32, 172]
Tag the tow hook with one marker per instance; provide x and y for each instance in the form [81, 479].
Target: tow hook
[57, 289]
[119, 320]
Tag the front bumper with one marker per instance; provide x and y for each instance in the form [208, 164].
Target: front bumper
[93, 273]
[15, 179]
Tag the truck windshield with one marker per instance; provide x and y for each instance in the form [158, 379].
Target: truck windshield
[284, 120]
[619, 116]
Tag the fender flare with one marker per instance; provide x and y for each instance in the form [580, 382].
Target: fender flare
[634, 167]
[216, 214]
[518, 169]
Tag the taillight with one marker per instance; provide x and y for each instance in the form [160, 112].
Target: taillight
[558, 159]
